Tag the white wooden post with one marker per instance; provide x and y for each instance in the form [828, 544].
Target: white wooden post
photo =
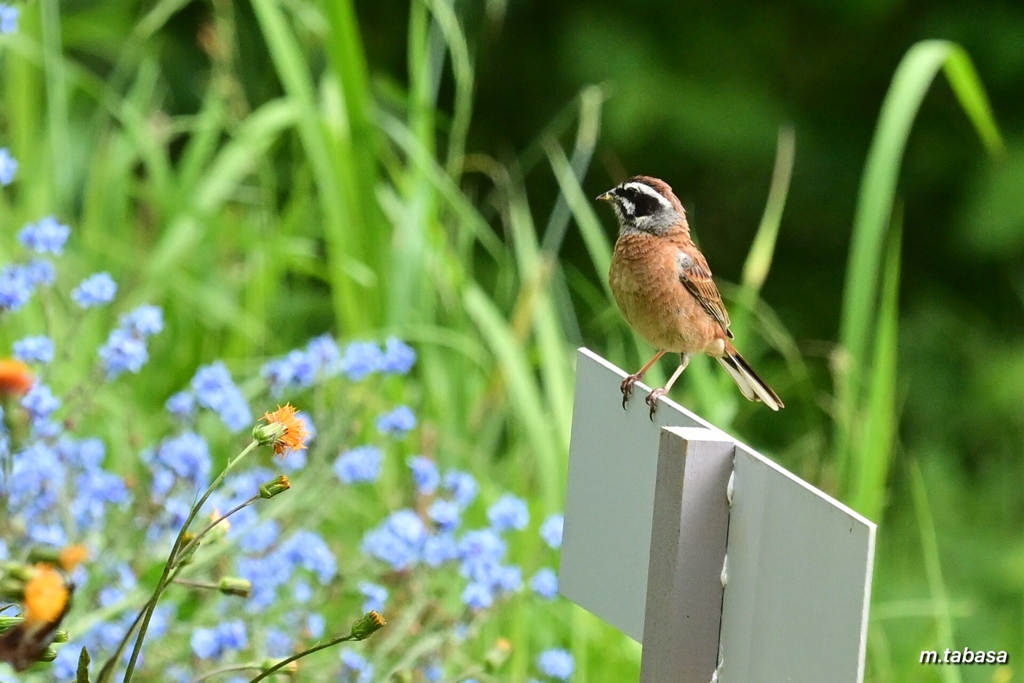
[689, 530]
[725, 566]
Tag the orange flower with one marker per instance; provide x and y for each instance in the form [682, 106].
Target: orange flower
[15, 377]
[72, 556]
[46, 596]
[292, 430]
[46, 599]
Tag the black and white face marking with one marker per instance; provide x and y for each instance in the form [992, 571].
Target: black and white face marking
[641, 207]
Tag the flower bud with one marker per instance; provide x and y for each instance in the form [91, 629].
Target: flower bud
[233, 585]
[275, 486]
[371, 622]
[268, 434]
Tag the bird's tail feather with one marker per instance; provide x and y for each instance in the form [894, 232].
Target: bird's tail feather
[752, 386]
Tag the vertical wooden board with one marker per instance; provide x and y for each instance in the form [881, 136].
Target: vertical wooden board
[799, 578]
[609, 499]
[688, 546]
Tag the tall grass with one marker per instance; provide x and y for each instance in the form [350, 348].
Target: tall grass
[866, 380]
[339, 204]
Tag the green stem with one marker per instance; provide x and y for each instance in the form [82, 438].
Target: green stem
[225, 670]
[209, 527]
[169, 566]
[299, 655]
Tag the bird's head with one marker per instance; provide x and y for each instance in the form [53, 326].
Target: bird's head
[645, 204]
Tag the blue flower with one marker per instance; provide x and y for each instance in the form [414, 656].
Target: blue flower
[95, 489]
[556, 663]
[462, 486]
[279, 373]
[185, 457]
[376, 596]
[359, 465]
[432, 672]
[545, 583]
[551, 531]
[123, 352]
[278, 643]
[355, 663]
[205, 643]
[308, 550]
[125, 349]
[181, 405]
[232, 635]
[324, 355]
[259, 538]
[439, 549]
[95, 290]
[16, 287]
[508, 578]
[46, 236]
[214, 389]
[37, 349]
[360, 359]
[398, 540]
[477, 596]
[48, 534]
[39, 273]
[396, 423]
[315, 625]
[480, 548]
[398, 358]
[509, 513]
[424, 474]
[267, 574]
[210, 643]
[445, 513]
[40, 402]
[301, 368]
[144, 321]
[8, 164]
[8, 18]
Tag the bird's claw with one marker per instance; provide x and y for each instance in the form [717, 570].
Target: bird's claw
[627, 388]
[652, 400]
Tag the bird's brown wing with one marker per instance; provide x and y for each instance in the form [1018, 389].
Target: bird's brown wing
[695, 275]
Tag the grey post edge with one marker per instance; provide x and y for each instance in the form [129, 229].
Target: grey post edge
[689, 538]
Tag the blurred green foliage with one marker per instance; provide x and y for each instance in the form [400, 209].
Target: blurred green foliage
[270, 170]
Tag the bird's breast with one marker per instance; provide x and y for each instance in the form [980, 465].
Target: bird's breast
[645, 283]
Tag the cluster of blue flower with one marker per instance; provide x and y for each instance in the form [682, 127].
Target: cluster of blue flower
[55, 490]
[321, 360]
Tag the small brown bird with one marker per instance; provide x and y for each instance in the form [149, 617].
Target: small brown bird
[663, 287]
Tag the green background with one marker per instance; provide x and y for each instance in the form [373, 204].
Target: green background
[268, 171]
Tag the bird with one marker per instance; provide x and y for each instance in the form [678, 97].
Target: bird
[664, 288]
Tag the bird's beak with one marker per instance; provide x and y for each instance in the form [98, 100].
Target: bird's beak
[606, 197]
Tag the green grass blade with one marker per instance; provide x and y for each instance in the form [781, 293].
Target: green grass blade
[587, 133]
[877, 193]
[524, 393]
[235, 161]
[594, 235]
[868, 492]
[759, 259]
[933, 571]
[462, 71]
[338, 188]
[56, 97]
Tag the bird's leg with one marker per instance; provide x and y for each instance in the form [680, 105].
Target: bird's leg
[627, 384]
[652, 398]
